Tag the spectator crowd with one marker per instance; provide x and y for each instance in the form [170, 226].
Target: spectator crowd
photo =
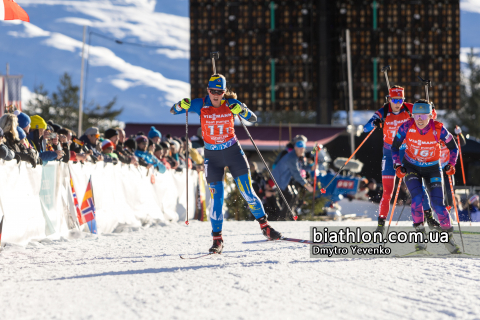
[36, 141]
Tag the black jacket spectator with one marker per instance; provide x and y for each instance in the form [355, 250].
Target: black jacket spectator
[5, 152]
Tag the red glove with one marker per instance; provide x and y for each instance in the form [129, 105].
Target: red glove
[450, 170]
[400, 171]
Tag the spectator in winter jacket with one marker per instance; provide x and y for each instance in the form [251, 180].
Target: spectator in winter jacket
[141, 152]
[117, 137]
[36, 138]
[160, 154]
[154, 135]
[287, 168]
[90, 139]
[9, 126]
[5, 152]
[167, 155]
[107, 150]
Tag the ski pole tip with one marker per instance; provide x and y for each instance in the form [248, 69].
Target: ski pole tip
[323, 190]
[295, 218]
[187, 223]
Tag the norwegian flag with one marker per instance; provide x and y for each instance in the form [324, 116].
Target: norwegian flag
[80, 218]
[88, 208]
[10, 10]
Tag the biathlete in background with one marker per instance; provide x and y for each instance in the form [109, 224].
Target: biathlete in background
[217, 113]
[422, 136]
[389, 118]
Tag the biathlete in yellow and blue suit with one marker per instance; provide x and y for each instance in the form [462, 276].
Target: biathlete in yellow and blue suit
[217, 113]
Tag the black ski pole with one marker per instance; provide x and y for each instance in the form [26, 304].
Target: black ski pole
[186, 157]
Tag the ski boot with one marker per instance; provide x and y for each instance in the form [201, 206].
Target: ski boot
[451, 246]
[217, 246]
[267, 230]
[420, 245]
[381, 225]
[432, 223]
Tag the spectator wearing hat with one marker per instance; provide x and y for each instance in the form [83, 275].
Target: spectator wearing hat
[5, 152]
[23, 121]
[90, 139]
[10, 128]
[289, 167]
[55, 126]
[150, 159]
[107, 149]
[38, 136]
[113, 135]
[154, 135]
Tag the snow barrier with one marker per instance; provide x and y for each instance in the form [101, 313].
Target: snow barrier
[38, 203]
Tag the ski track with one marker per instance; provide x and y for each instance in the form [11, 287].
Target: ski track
[139, 275]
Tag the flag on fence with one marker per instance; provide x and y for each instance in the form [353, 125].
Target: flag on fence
[88, 208]
[10, 10]
[80, 218]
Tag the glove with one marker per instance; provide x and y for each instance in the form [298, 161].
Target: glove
[458, 130]
[378, 123]
[400, 171]
[32, 160]
[450, 170]
[236, 108]
[185, 103]
[17, 157]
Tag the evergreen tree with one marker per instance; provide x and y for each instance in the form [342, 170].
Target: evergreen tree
[62, 107]
[468, 114]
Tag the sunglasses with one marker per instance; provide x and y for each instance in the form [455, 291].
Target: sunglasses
[421, 116]
[216, 92]
[397, 100]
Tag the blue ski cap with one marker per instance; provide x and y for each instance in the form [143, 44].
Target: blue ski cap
[217, 82]
[422, 107]
[300, 144]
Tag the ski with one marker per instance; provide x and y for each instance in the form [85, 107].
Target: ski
[197, 257]
[283, 239]
[416, 253]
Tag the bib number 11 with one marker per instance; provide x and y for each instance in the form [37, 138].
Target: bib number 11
[220, 129]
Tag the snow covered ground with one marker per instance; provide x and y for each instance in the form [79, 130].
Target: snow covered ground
[139, 275]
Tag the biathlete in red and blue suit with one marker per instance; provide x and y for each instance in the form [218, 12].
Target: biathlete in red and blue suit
[389, 118]
[217, 113]
[422, 136]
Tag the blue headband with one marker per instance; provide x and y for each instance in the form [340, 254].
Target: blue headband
[422, 108]
[300, 144]
[217, 82]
